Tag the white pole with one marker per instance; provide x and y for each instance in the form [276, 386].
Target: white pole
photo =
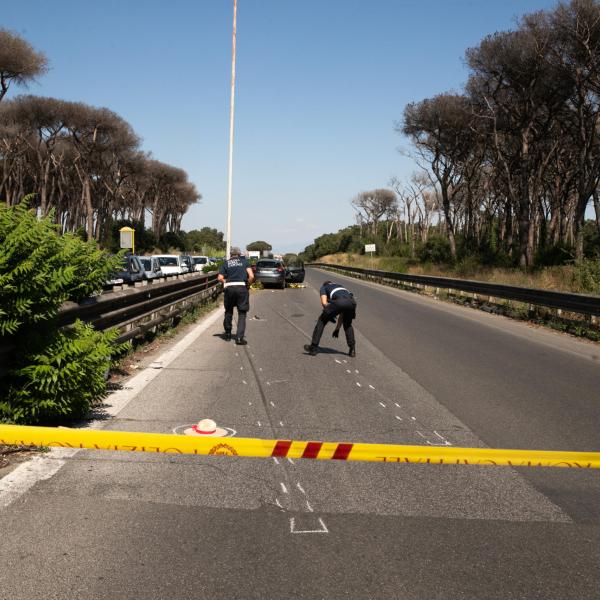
[231, 113]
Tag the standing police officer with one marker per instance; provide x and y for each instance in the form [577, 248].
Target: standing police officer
[236, 276]
[338, 302]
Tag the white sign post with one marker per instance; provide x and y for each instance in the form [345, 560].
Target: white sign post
[371, 248]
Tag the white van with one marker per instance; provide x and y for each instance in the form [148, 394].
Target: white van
[171, 264]
[200, 262]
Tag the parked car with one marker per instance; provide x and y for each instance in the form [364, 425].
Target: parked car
[269, 271]
[188, 263]
[200, 262]
[151, 266]
[295, 273]
[132, 270]
[171, 264]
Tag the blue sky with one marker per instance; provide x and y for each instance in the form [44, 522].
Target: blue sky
[320, 85]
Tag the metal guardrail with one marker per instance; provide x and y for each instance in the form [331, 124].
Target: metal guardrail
[576, 303]
[135, 308]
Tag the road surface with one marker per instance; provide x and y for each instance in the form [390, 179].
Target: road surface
[114, 525]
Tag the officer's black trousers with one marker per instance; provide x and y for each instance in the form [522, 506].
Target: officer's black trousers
[236, 296]
[345, 306]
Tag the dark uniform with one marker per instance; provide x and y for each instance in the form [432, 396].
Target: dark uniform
[340, 301]
[237, 294]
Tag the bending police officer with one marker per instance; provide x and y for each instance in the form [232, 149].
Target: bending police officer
[236, 275]
[338, 302]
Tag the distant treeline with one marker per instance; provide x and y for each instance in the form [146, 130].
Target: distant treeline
[83, 162]
[509, 166]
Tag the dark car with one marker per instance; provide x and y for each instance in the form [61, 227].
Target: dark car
[294, 273]
[270, 271]
[131, 271]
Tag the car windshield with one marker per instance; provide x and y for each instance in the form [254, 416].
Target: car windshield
[167, 261]
[200, 260]
[147, 264]
[267, 264]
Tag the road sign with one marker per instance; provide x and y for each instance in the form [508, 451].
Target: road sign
[370, 248]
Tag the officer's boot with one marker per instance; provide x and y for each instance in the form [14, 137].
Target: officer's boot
[352, 351]
[241, 341]
[310, 349]
[227, 336]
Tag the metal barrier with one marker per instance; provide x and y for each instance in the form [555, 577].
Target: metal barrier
[576, 303]
[136, 308]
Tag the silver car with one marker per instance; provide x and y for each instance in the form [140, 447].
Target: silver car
[270, 271]
[151, 266]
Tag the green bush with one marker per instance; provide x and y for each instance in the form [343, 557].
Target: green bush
[436, 250]
[57, 375]
[586, 275]
[52, 374]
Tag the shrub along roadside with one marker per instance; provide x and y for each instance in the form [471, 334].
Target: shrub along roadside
[53, 375]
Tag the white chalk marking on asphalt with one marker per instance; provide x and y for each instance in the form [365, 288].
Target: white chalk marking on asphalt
[338, 361]
[244, 382]
[399, 418]
[260, 368]
[300, 488]
[382, 404]
[275, 459]
[414, 418]
[348, 371]
[396, 404]
[278, 503]
[236, 354]
[281, 423]
[442, 437]
[259, 423]
[345, 361]
[358, 384]
[268, 383]
[272, 403]
[39, 468]
[241, 368]
[290, 460]
[294, 530]
[283, 488]
[371, 387]
[310, 508]
[249, 403]
[356, 370]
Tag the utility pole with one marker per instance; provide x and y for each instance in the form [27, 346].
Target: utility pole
[231, 114]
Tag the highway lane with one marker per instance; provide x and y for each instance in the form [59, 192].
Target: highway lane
[514, 385]
[110, 525]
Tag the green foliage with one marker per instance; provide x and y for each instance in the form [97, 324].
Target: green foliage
[207, 241]
[39, 270]
[145, 240]
[58, 375]
[259, 246]
[436, 250]
[52, 373]
[212, 267]
[171, 241]
[586, 275]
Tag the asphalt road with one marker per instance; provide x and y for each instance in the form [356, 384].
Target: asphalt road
[109, 525]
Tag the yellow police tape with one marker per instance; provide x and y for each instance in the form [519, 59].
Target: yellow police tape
[251, 447]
